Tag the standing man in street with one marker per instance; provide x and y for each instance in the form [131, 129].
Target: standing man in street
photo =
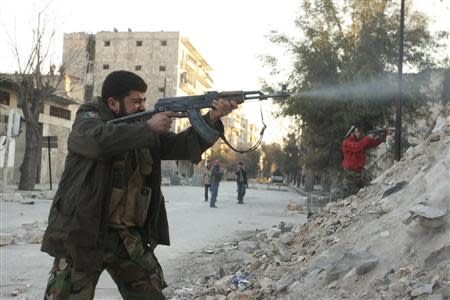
[207, 179]
[241, 180]
[109, 212]
[216, 177]
[354, 149]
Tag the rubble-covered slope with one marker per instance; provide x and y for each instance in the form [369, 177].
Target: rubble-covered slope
[390, 241]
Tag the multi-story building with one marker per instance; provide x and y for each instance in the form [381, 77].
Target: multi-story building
[239, 131]
[252, 134]
[168, 62]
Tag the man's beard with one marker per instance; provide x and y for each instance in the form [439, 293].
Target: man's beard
[123, 112]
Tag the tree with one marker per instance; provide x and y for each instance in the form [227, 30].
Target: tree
[271, 158]
[342, 71]
[33, 86]
[291, 156]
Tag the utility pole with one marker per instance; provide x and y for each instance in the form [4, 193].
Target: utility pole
[12, 130]
[398, 104]
[5, 165]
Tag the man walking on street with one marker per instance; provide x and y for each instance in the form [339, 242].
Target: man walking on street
[216, 177]
[109, 212]
[241, 180]
[207, 179]
[354, 149]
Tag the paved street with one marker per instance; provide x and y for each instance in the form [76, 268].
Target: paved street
[193, 226]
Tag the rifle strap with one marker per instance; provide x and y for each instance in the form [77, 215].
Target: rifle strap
[256, 145]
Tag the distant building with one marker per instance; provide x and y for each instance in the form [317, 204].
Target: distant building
[55, 119]
[169, 63]
[239, 131]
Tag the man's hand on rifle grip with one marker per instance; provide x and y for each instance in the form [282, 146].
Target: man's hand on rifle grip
[161, 122]
[221, 108]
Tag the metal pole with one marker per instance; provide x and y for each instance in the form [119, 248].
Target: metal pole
[398, 110]
[49, 162]
[8, 135]
[5, 165]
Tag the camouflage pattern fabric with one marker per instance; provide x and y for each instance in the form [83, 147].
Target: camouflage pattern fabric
[133, 267]
[353, 182]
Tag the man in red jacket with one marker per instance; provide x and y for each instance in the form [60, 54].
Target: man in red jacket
[354, 149]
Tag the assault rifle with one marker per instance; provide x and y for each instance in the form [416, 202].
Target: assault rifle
[189, 106]
[381, 132]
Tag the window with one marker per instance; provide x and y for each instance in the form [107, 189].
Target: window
[105, 67]
[107, 43]
[162, 68]
[138, 68]
[59, 112]
[138, 43]
[4, 97]
[161, 90]
[163, 43]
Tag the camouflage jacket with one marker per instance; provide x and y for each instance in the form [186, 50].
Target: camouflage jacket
[78, 218]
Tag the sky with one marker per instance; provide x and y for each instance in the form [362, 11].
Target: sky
[231, 35]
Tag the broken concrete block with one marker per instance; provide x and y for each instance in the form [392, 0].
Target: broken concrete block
[362, 261]
[34, 236]
[366, 266]
[283, 250]
[398, 288]
[421, 290]
[387, 205]
[294, 207]
[437, 256]
[248, 246]
[429, 217]
[267, 285]
[287, 237]
[273, 233]
[11, 197]
[6, 239]
[284, 281]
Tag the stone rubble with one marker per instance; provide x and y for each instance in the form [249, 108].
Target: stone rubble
[28, 233]
[390, 241]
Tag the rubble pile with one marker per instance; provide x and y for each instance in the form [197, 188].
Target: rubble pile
[31, 233]
[390, 241]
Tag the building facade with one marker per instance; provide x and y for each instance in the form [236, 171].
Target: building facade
[168, 62]
[239, 131]
[55, 121]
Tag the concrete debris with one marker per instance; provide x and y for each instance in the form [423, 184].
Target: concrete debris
[398, 186]
[6, 239]
[428, 217]
[34, 236]
[422, 289]
[284, 281]
[438, 256]
[296, 207]
[11, 197]
[358, 247]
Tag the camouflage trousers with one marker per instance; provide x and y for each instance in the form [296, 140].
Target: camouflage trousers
[353, 182]
[133, 267]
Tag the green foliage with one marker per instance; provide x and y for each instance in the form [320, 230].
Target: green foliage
[291, 155]
[342, 71]
[272, 158]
